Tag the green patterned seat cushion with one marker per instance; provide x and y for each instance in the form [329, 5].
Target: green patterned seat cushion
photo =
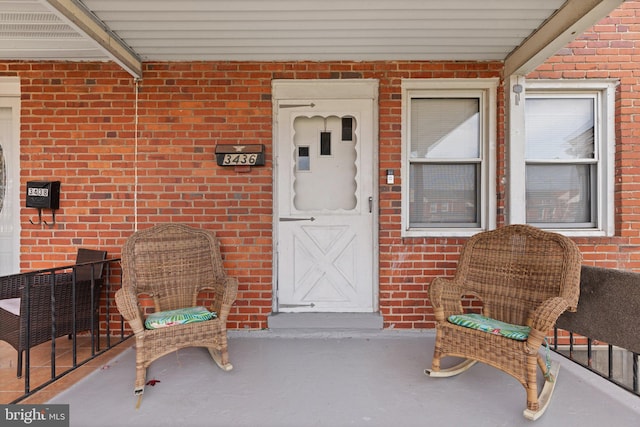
[493, 326]
[162, 319]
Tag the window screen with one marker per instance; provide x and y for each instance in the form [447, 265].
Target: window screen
[444, 159]
[561, 162]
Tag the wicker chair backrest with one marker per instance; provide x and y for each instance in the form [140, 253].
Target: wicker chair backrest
[171, 262]
[514, 268]
[84, 255]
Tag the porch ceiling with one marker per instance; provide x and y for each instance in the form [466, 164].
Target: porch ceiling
[523, 33]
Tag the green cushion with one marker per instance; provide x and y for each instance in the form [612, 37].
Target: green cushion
[493, 326]
[162, 319]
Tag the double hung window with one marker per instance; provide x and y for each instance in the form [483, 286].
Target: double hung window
[567, 157]
[448, 141]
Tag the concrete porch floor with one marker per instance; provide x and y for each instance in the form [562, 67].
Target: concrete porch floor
[332, 378]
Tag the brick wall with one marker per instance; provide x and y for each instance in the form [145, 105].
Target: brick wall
[79, 126]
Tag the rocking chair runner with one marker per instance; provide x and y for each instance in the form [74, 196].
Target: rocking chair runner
[174, 263]
[524, 277]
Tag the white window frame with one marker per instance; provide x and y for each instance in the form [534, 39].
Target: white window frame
[486, 92]
[604, 95]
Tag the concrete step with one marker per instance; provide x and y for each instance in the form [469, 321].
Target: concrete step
[324, 321]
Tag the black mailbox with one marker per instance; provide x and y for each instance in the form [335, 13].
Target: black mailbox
[43, 194]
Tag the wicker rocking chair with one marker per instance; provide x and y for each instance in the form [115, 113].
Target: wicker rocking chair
[173, 264]
[526, 278]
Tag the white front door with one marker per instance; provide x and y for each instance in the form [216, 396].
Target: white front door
[325, 150]
[9, 176]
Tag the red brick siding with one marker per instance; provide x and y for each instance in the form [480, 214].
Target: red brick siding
[78, 126]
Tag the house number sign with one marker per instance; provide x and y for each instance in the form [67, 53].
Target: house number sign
[240, 155]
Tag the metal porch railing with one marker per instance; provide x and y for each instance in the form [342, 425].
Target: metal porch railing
[67, 320]
[615, 364]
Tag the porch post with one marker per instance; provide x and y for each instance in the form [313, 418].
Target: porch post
[515, 202]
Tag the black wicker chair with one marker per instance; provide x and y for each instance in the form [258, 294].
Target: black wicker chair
[16, 299]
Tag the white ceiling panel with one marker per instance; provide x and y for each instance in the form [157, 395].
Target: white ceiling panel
[321, 30]
[29, 30]
[185, 30]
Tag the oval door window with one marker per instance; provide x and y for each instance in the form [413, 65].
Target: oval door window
[326, 165]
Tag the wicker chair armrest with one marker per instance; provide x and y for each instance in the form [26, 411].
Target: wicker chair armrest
[545, 316]
[45, 279]
[11, 286]
[226, 292]
[127, 304]
[231, 290]
[446, 298]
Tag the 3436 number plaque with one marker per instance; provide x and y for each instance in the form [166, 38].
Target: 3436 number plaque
[240, 155]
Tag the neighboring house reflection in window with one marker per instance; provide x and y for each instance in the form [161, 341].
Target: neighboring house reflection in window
[565, 166]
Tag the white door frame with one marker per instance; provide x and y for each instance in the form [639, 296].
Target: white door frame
[326, 90]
